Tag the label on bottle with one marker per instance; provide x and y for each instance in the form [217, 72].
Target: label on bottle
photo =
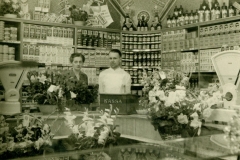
[207, 15]
[224, 13]
[201, 16]
[213, 16]
[231, 12]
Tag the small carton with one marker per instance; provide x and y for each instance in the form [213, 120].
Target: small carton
[38, 31]
[32, 32]
[49, 35]
[26, 32]
[43, 36]
[25, 51]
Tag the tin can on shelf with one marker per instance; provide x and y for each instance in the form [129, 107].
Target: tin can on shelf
[131, 72]
[127, 64]
[135, 80]
[130, 38]
[131, 63]
[127, 55]
[135, 72]
[131, 55]
[139, 46]
[140, 38]
[123, 55]
[135, 38]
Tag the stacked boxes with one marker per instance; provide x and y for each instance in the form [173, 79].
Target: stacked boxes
[205, 59]
[179, 40]
[98, 58]
[218, 35]
[188, 62]
[10, 34]
[92, 75]
[46, 34]
[47, 54]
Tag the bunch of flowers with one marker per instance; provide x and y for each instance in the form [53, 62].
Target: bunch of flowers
[58, 86]
[92, 133]
[29, 137]
[77, 14]
[10, 7]
[174, 108]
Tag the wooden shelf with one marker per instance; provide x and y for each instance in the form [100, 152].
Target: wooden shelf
[92, 48]
[141, 50]
[141, 42]
[141, 32]
[10, 42]
[51, 44]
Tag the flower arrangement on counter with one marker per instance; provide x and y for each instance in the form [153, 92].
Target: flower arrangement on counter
[57, 87]
[175, 110]
[92, 133]
[10, 7]
[31, 136]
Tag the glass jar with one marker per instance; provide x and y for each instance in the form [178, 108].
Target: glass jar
[135, 72]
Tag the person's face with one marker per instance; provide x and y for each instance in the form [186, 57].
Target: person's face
[77, 63]
[115, 60]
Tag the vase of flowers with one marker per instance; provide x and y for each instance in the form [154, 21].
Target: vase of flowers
[10, 8]
[175, 110]
[78, 15]
[92, 133]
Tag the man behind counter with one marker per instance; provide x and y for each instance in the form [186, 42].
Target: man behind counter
[114, 80]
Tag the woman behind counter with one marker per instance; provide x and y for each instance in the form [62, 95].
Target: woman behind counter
[77, 60]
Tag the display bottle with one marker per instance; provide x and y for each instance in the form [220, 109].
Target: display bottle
[125, 28]
[175, 11]
[173, 21]
[207, 14]
[213, 12]
[169, 22]
[143, 23]
[216, 4]
[139, 25]
[196, 17]
[204, 5]
[191, 17]
[231, 11]
[152, 28]
[186, 18]
[224, 10]
[181, 19]
[201, 14]
[180, 10]
[217, 13]
[146, 26]
[159, 25]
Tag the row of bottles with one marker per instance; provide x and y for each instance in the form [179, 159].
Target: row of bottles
[206, 12]
[142, 24]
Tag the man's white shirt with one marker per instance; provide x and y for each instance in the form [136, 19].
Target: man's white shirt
[115, 81]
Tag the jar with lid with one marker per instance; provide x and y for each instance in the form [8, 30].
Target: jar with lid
[144, 63]
[130, 46]
[131, 72]
[140, 38]
[135, 72]
[131, 63]
[135, 38]
[155, 37]
[140, 71]
[123, 55]
[127, 38]
[140, 56]
[149, 71]
[149, 63]
[127, 55]
[148, 38]
[130, 38]
[131, 55]
[144, 39]
[135, 45]
[139, 63]
[135, 80]
[144, 56]
[127, 64]
[135, 56]
[152, 37]
[139, 45]
[123, 63]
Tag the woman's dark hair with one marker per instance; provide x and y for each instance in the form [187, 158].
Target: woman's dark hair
[116, 51]
[76, 55]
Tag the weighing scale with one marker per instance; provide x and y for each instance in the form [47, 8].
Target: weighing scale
[227, 67]
[12, 74]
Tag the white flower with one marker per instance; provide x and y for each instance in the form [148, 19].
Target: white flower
[171, 99]
[152, 96]
[194, 115]
[197, 107]
[15, 1]
[207, 112]
[160, 94]
[75, 129]
[42, 79]
[103, 135]
[89, 130]
[195, 123]
[182, 119]
[38, 143]
[7, 1]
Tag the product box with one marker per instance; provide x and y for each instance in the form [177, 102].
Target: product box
[70, 36]
[26, 32]
[201, 32]
[60, 36]
[32, 52]
[237, 26]
[43, 36]
[49, 35]
[38, 33]
[32, 32]
[25, 51]
[55, 39]
[226, 28]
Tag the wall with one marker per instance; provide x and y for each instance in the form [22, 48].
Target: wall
[55, 8]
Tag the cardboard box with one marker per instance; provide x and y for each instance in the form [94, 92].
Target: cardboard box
[127, 104]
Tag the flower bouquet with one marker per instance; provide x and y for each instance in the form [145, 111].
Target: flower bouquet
[10, 7]
[92, 133]
[32, 136]
[175, 110]
[58, 87]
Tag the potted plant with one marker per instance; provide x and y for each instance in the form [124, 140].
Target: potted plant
[10, 8]
[79, 16]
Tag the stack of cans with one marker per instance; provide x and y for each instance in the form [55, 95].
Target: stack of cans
[11, 53]
[10, 34]
[1, 30]
[5, 52]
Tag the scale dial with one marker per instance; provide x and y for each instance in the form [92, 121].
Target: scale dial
[227, 66]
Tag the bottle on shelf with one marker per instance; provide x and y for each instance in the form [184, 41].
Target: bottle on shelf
[207, 13]
[231, 11]
[216, 4]
[180, 10]
[213, 12]
[144, 26]
[158, 25]
[152, 28]
[139, 25]
[186, 17]
[125, 23]
[205, 5]
[196, 17]
[181, 19]
[201, 13]
[173, 21]
[224, 10]
[217, 13]
[191, 17]
[169, 21]
[175, 11]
